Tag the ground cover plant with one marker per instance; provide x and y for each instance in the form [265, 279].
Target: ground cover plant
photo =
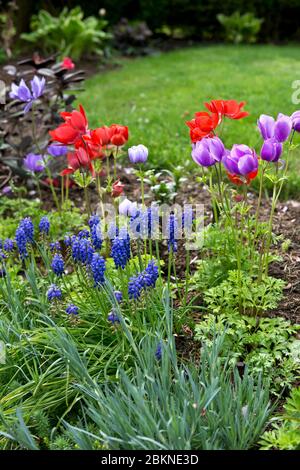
[112, 336]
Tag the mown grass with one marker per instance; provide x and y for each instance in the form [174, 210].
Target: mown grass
[154, 96]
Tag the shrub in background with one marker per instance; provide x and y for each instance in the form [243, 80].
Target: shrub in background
[240, 28]
[69, 33]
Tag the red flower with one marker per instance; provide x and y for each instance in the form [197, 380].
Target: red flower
[202, 125]
[119, 134]
[74, 127]
[239, 180]
[117, 188]
[78, 159]
[56, 182]
[67, 63]
[229, 108]
[104, 134]
[93, 144]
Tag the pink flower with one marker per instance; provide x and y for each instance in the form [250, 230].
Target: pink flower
[67, 63]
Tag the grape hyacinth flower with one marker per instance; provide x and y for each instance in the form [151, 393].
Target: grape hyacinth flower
[68, 240]
[158, 352]
[21, 241]
[208, 151]
[8, 245]
[118, 296]
[279, 129]
[54, 293]
[27, 225]
[98, 267]
[58, 265]
[173, 233]
[72, 309]
[143, 281]
[120, 250]
[21, 92]
[94, 220]
[96, 236]
[44, 225]
[54, 247]
[82, 250]
[113, 317]
[138, 154]
[83, 233]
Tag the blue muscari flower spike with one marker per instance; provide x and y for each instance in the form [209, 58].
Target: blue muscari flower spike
[58, 265]
[142, 281]
[54, 293]
[8, 245]
[21, 241]
[82, 250]
[84, 233]
[44, 225]
[54, 247]
[72, 309]
[173, 233]
[113, 317]
[68, 240]
[94, 220]
[27, 225]
[2, 255]
[120, 250]
[118, 296]
[98, 267]
[96, 236]
[158, 352]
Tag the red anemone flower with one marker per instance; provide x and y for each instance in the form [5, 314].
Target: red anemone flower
[240, 180]
[93, 145]
[74, 127]
[117, 188]
[104, 134]
[78, 159]
[202, 125]
[67, 63]
[119, 134]
[229, 108]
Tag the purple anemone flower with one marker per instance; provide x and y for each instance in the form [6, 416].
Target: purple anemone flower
[271, 150]
[241, 160]
[208, 151]
[138, 153]
[295, 117]
[34, 162]
[21, 92]
[279, 129]
[57, 150]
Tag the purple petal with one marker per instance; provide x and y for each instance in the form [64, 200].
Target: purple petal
[57, 150]
[37, 86]
[247, 164]
[266, 126]
[24, 92]
[28, 107]
[282, 128]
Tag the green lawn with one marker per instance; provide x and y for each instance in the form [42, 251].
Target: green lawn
[155, 95]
